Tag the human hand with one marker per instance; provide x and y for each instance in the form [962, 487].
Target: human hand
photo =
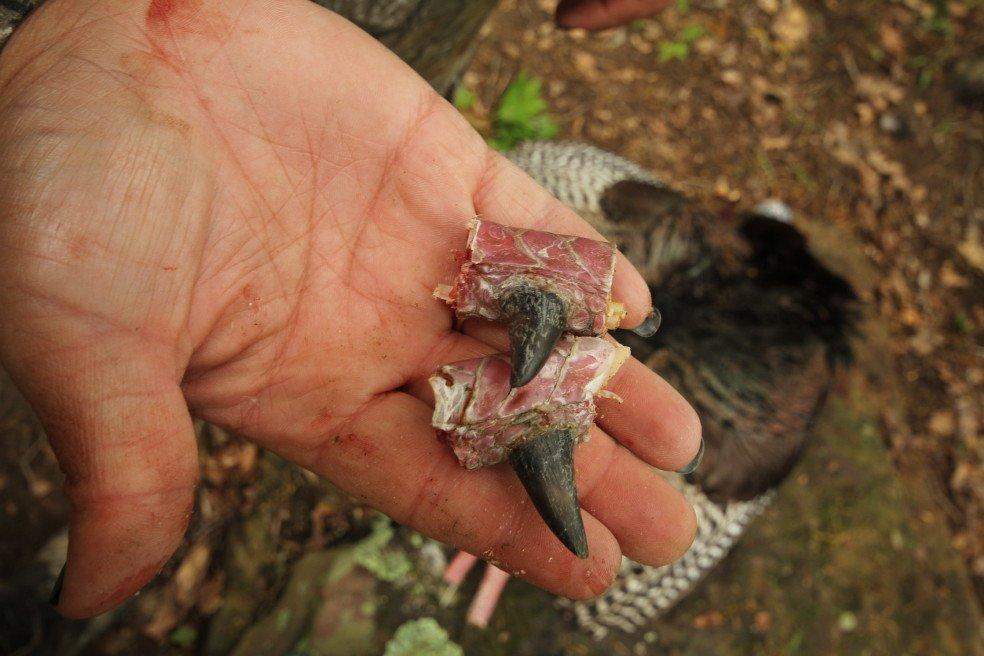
[241, 208]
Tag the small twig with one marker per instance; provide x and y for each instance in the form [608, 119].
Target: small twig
[849, 64]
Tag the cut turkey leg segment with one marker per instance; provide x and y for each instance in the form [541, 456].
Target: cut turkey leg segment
[534, 427]
[539, 284]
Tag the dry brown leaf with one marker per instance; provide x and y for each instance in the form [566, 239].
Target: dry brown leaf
[776, 143]
[865, 112]
[731, 77]
[640, 44]
[942, 423]
[163, 621]
[950, 278]
[891, 40]
[41, 487]
[627, 74]
[763, 621]
[248, 455]
[768, 6]
[792, 27]
[210, 594]
[909, 316]
[925, 342]
[878, 91]
[972, 249]
[723, 189]
[586, 65]
[710, 620]
[191, 573]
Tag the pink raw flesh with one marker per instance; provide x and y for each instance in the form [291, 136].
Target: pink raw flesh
[481, 417]
[578, 270]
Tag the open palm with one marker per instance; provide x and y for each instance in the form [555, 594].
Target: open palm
[242, 209]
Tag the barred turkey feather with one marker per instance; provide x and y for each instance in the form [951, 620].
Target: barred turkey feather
[577, 174]
[641, 594]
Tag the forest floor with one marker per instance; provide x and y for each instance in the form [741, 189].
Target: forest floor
[849, 113]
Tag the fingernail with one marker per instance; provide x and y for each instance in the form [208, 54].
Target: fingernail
[693, 464]
[56, 590]
[649, 325]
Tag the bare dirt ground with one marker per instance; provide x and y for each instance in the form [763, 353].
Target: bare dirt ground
[847, 112]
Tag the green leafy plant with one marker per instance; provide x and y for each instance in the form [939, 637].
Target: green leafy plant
[924, 70]
[691, 33]
[423, 637]
[962, 322]
[940, 22]
[464, 98]
[183, 636]
[680, 48]
[521, 114]
[374, 554]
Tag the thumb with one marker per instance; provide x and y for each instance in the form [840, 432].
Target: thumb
[121, 431]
